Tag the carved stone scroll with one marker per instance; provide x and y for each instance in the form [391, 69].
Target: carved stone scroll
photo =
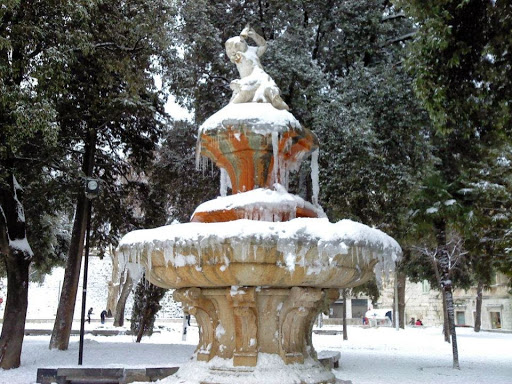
[295, 322]
[206, 315]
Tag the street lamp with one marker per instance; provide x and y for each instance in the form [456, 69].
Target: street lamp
[92, 190]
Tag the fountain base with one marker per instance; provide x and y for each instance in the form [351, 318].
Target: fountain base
[256, 332]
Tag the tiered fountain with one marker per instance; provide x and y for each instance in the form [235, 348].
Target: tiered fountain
[256, 267]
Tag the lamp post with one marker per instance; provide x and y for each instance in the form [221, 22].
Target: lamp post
[92, 190]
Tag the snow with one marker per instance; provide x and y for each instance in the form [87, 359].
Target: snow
[277, 200]
[263, 118]
[22, 245]
[292, 237]
[370, 356]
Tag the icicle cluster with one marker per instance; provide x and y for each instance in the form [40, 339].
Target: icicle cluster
[184, 244]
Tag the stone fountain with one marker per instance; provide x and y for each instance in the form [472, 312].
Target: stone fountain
[257, 266]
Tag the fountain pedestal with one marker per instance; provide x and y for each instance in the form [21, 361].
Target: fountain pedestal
[240, 322]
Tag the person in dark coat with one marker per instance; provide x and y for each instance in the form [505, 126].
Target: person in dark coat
[89, 313]
[103, 314]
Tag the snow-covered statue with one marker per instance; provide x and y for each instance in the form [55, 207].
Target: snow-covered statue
[254, 85]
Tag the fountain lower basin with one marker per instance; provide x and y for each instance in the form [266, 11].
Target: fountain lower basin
[305, 252]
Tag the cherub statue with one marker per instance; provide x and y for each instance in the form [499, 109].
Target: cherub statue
[254, 85]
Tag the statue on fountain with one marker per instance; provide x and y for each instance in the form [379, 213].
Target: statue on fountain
[254, 85]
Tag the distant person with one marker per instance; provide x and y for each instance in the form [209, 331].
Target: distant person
[89, 313]
[418, 322]
[412, 322]
[103, 314]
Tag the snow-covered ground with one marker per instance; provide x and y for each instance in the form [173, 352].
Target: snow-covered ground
[372, 355]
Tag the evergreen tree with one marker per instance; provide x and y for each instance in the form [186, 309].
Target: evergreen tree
[175, 160]
[34, 47]
[460, 62]
[112, 112]
[145, 306]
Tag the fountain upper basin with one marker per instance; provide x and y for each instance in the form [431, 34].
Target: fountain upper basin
[301, 252]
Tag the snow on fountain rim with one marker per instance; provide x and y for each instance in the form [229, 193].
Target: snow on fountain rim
[263, 118]
[278, 199]
[330, 239]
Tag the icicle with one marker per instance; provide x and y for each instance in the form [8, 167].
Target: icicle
[223, 182]
[275, 149]
[314, 176]
[198, 152]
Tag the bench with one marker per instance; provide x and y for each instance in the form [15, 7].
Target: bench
[329, 359]
[101, 375]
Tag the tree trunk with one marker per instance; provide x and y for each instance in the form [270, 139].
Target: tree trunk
[17, 260]
[125, 292]
[446, 284]
[143, 322]
[15, 313]
[446, 326]
[344, 295]
[451, 320]
[478, 311]
[402, 279]
[65, 311]
[114, 285]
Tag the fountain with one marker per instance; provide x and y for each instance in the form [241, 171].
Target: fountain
[257, 266]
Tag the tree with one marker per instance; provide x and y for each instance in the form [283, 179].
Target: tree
[33, 47]
[460, 62]
[112, 110]
[175, 160]
[460, 59]
[488, 220]
[146, 305]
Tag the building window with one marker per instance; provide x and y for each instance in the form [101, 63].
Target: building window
[425, 286]
[461, 317]
[495, 320]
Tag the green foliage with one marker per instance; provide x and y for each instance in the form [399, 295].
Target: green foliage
[146, 304]
[168, 200]
[460, 59]
[111, 106]
[31, 34]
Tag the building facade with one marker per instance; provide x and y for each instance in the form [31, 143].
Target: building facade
[424, 303]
